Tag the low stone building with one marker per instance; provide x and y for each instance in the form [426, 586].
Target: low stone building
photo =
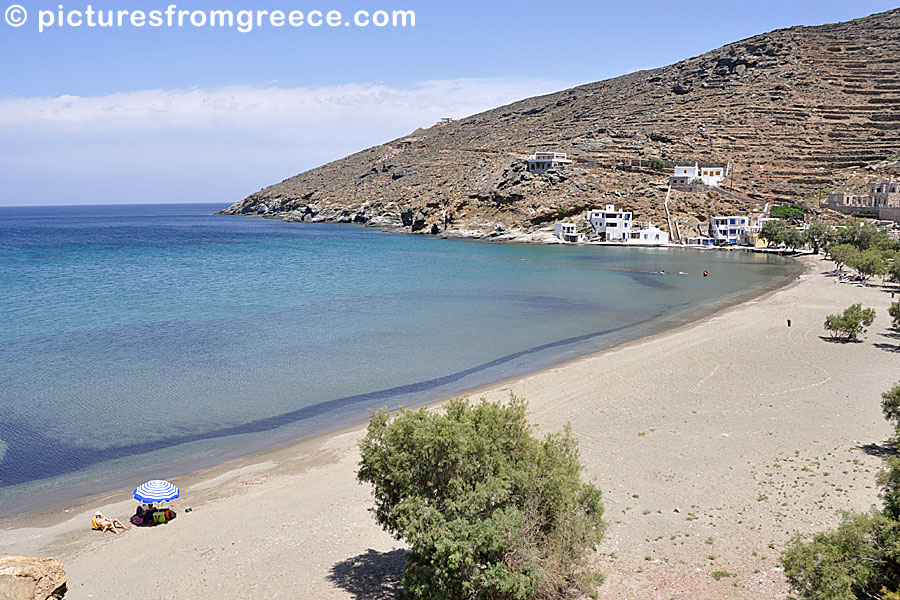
[885, 194]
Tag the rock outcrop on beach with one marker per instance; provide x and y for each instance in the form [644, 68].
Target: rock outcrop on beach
[796, 111]
[29, 578]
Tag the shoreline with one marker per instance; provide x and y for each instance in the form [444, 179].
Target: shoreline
[51, 514]
[697, 443]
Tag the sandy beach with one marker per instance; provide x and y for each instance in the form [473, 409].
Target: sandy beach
[712, 443]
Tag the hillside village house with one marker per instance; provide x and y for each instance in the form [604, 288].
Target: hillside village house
[734, 229]
[644, 233]
[567, 233]
[611, 224]
[541, 162]
[711, 175]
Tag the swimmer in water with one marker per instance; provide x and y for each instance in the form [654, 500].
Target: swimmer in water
[706, 273]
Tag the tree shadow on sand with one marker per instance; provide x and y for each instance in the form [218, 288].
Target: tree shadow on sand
[895, 347]
[371, 575]
[833, 340]
[879, 450]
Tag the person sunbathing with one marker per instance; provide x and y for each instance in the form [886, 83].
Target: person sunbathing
[105, 523]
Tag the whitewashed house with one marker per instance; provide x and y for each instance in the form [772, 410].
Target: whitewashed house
[541, 162]
[733, 229]
[711, 175]
[612, 225]
[646, 234]
[567, 233]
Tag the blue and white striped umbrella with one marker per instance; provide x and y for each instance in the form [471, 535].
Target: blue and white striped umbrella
[157, 490]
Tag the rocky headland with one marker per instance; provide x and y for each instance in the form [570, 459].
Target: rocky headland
[796, 112]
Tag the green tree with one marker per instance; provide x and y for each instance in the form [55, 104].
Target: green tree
[787, 211]
[792, 238]
[894, 311]
[818, 236]
[862, 236]
[890, 405]
[773, 231]
[867, 263]
[488, 510]
[851, 324]
[657, 164]
[856, 560]
[842, 254]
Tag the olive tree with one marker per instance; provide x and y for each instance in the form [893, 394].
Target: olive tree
[488, 510]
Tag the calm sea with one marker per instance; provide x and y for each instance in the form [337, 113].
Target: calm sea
[145, 341]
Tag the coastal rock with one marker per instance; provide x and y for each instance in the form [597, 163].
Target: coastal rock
[29, 578]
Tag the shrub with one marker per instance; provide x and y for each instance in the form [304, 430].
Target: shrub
[852, 323]
[861, 558]
[894, 312]
[856, 560]
[488, 510]
[657, 164]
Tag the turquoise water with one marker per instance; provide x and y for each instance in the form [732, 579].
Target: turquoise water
[144, 341]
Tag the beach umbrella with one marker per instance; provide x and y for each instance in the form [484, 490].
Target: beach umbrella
[157, 490]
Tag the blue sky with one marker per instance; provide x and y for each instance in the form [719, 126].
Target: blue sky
[198, 114]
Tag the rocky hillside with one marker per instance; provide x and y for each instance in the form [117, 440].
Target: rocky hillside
[796, 111]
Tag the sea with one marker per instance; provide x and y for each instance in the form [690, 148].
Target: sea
[146, 341]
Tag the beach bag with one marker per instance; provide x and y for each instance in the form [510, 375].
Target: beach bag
[159, 517]
[170, 514]
[136, 520]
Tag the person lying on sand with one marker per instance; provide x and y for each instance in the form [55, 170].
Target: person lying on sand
[104, 523]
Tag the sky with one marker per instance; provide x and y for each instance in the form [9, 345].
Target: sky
[93, 115]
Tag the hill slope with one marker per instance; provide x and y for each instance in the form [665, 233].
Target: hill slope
[795, 111]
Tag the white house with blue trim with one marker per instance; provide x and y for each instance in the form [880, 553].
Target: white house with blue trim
[732, 229]
[610, 224]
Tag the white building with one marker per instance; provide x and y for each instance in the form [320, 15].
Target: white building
[699, 241]
[711, 175]
[541, 162]
[734, 229]
[612, 225]
[566, 232]
[646, 234]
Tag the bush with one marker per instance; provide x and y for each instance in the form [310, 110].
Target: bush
[488, 510]
[894, 312]
[857, 560]
[861, 558]
[657, 164]
[851, 323]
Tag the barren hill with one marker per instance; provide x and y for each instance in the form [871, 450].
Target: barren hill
[796, 111]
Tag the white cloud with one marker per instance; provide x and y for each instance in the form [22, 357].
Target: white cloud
[215, 144]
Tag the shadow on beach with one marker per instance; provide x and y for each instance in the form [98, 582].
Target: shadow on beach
[879, 450]
[370, 576]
